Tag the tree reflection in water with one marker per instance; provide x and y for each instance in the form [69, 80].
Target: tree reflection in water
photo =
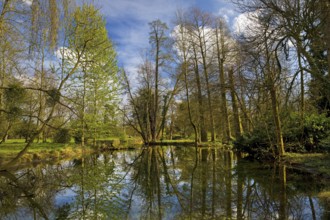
[161, 183]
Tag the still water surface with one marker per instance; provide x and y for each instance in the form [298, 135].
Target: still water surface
[161, 183]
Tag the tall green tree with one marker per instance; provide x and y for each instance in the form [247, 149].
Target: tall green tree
[97, 75]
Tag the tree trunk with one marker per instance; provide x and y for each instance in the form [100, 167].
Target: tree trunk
[203, 132]
[155, 107]
[202, 45]
[188, 102]
[83, 111]
[271, 70]
[5, 136]
[326, 30]
[171, 126]
[237, 119]
[223, 101]
[2, 80]
[276, 116]
[95, 114]
[41, 109]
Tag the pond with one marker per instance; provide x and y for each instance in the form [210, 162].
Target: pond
[161, 183]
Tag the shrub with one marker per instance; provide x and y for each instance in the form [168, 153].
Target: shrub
[309, 136]
[258, 144]
[26, 130]
[312, 135]
[62, 136]
[77, 136]
[316, 130]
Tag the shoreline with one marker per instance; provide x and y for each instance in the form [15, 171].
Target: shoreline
[316, 164]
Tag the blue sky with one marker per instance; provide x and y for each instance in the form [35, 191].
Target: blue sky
[127, 21]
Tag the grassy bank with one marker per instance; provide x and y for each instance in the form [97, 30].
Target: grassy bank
[52, 152]
[315, 163]
[38, 152]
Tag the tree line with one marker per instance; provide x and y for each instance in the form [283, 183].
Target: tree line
[265, 87]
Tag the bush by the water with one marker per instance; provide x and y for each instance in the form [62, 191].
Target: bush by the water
[310, 135]
[317, 132]
[77, 137]
[258, 144]
[62, 136]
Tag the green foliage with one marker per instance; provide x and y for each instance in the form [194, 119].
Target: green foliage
[14, 96]
[62, 136]
[316, 129]
[313, 134]
[97, 83]
[306, 135]
[13, 113]
[256, 143]
[293, 132]
[26, 130]
[14, 93]
[77, 136]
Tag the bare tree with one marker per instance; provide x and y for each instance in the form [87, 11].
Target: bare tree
[183, 48]
[158, 42]
[222, 55]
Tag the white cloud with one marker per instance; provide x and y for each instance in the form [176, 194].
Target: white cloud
[245, 24]
[227, 13]
[28, 2]
[66, 53]
[248, 25]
